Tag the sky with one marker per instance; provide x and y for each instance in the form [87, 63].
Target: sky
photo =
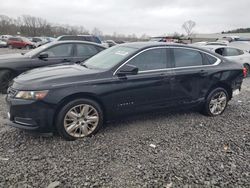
[153, 17]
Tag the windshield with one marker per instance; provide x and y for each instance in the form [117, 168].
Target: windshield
[38, 50]
[110, 57]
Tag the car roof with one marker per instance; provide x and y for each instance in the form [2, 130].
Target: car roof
[141, 45]
[76, 41]
[218, 46]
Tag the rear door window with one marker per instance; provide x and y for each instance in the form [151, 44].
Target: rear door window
[187, 57]
[85, 50]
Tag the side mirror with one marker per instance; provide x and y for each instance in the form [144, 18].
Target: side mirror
[43, 55]
[127, 69]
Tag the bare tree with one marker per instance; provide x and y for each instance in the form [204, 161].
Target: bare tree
[96, 32]
[188, 26]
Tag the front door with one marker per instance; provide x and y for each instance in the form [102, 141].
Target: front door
[58, 54]
[149, 89]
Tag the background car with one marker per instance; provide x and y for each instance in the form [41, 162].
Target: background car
[111, 43]
[20, 42]
[5, 37]
[3, 44]
[239, 56]
[39, 41]
[89, 38]
[52, 53]
[126, 79]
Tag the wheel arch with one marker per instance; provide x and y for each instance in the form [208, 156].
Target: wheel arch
[223, 85]
[79, 95]
[9, 69]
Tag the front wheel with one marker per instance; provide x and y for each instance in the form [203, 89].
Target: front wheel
[216, 102]
[79, 118]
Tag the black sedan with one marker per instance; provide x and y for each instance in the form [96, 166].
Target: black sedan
[53, 53]
[76, 99]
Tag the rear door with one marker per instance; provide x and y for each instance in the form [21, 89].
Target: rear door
[61, 53]
[192, 74]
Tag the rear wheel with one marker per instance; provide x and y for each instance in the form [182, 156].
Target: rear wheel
[6, 77]
[79, 118]
[216, 102]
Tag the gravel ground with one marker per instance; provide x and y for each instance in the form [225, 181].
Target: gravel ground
[181, 149]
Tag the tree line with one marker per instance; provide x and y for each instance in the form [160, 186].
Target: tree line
[240, 30]
[31, 26]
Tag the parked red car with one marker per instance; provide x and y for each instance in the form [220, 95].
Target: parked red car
[20, 42]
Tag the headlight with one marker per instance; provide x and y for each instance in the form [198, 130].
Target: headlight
[31, 95]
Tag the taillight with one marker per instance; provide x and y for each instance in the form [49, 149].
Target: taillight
[245, 72]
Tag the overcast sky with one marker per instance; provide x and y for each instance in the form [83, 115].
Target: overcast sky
[154, 17]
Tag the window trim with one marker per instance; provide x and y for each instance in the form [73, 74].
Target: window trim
[173, 68]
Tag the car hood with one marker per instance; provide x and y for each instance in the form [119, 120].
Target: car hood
[53, 76]
[12, 57]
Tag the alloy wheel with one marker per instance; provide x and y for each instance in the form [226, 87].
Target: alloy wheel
[81, 120]
[218, 103]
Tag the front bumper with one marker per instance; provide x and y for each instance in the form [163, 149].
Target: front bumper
[30, 115]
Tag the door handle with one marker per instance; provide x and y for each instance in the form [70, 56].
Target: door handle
[203, 73]
[167, 77]
[66, 60]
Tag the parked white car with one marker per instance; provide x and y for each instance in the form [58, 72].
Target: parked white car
[232, 53]
[3, 44]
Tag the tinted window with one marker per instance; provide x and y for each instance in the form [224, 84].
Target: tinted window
[220, 51]
[85, 50]
[186, 57]
[150, 60]
[209, 60]
[63, 50]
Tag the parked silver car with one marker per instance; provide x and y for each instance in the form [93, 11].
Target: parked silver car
[232, 53]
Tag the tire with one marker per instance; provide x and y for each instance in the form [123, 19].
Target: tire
[6, 76]
[27, 47]
[71, 125]
[216, 102]
[10, 46]
[247, 66]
